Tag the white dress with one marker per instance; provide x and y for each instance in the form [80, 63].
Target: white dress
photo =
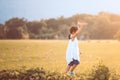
[72, 51]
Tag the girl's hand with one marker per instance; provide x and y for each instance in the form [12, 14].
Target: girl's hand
[79, 23]
[80, 53]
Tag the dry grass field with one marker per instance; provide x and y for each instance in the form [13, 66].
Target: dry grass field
[50, 54]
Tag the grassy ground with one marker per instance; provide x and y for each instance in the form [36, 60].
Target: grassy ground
[50, 54]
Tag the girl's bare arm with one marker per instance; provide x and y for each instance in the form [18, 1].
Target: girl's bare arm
[80, 26]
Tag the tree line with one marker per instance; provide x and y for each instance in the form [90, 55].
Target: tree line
[101, 26]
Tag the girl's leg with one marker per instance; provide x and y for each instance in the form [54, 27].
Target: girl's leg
[73, 67]
[67, 68]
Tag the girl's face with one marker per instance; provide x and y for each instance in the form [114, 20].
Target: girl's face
[73, 32]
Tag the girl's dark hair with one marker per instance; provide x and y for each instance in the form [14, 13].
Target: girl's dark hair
[69, 36]
[72, 29]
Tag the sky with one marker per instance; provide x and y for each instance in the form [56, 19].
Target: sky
[45, 9]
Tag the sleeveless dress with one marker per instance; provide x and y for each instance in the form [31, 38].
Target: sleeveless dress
[72, 51]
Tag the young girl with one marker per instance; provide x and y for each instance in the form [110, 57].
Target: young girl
[72, 53]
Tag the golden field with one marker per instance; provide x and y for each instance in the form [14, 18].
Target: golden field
[50, 54]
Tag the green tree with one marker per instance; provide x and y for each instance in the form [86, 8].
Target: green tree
[2, 31]
[36, 29]
[117, 35]
[16, 29]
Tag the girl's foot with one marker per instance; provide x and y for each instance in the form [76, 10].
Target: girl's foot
[72, 73]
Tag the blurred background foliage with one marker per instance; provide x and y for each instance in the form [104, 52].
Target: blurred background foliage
[102, 26]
